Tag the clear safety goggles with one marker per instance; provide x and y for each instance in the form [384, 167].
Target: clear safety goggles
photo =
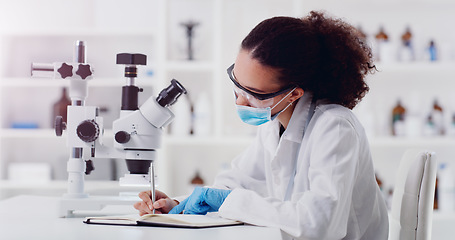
[259, 100]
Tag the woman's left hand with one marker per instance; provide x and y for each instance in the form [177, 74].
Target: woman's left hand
[201, 201]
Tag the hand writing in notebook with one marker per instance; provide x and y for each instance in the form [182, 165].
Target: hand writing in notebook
[201, 201]
[163, 203]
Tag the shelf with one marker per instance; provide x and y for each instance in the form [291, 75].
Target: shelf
[207, 140]
[33, 82]
[45, 82]
[190, 66]
[102, 32]
[417, 66]
[39, 133]
[439, 141]
[27, 133]
[442, 141]
[385, 5]
[167, 139]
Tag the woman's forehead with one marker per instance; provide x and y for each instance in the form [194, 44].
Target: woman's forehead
[253, 75]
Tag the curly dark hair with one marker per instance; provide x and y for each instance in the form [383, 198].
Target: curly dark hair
[322, 55]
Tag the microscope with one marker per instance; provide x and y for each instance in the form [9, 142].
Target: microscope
[136, 133]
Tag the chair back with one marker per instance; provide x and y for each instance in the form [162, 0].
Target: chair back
[413, 196]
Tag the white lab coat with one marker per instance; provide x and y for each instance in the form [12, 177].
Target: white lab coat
[335, 195]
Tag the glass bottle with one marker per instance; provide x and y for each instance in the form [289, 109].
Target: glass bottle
[406, 50]
[197, 180]
[381, 35]
[362, 34]
[406, 37]
[382, 45]
[430, 127]
[451, 129]
[398, 113]
[60, 107]
[432, 51]
[438, 119]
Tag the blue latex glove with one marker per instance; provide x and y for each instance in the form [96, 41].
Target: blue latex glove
[201, 201]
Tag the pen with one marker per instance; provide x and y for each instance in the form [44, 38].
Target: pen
[152, 183]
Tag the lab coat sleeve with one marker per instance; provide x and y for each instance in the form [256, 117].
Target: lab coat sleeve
[322, 211]
[247, 169]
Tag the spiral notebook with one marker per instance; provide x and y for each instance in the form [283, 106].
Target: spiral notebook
[165, 220]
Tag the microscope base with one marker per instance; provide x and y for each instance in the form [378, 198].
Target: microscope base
[135, 180]
[68, 205]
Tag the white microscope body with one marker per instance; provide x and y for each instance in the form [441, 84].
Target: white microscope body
[137, 132]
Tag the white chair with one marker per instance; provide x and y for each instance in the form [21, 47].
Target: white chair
[413, 197]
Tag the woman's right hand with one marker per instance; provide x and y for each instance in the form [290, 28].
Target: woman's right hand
[163, 203]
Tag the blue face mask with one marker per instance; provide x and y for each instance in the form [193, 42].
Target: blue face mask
[257, 116]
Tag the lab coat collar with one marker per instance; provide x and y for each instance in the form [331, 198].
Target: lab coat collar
[296, 125]
[294, 131]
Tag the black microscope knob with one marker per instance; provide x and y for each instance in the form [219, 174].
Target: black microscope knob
[122, 137]
[131, 59]
[89, 167]
[88, 131]
[65, 70]
[84, 71]
[59, 126]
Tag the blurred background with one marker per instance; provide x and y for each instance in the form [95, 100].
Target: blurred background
[410, 104]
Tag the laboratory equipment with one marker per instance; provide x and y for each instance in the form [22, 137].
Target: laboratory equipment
[136, 133]
[383, 46]
[406, 51]
[189, 26]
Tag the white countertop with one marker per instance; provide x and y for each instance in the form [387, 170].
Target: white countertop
[32, 216]
[35, 217]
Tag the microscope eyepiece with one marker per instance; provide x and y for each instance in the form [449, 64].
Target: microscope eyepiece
[169, 95]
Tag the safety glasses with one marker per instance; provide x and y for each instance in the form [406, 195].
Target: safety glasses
[258, 96]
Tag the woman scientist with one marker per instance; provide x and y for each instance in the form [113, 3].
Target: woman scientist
[309, 171]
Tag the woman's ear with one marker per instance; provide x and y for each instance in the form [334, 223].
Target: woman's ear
[296, 94]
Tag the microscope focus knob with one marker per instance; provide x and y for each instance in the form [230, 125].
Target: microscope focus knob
[84, 71]
[65, 70]
[59, 126]
[122, 137]
[89, 167]
[88, 131]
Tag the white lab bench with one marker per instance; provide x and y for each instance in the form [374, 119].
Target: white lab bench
[35, 217]
[32, 216]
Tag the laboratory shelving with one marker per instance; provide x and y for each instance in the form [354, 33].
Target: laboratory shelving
[153, 28]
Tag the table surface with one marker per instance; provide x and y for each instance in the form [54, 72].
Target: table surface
[35, 217]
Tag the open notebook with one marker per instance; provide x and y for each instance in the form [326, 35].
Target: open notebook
[165, 220]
